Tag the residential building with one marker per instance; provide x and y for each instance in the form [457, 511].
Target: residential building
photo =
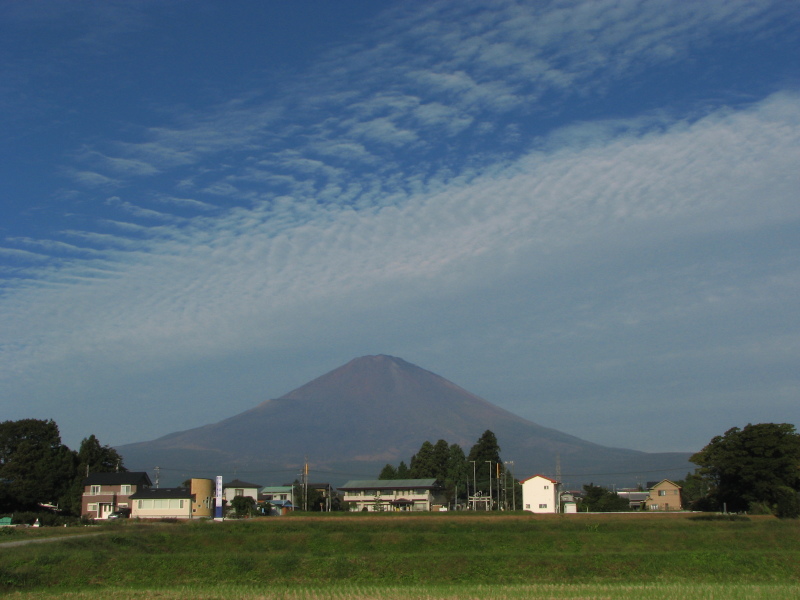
[664, 496]
[634, 497]
[540, 494]
[239, 488]
[280, 499]
[106, 493]
[194, 502]
[391, 494]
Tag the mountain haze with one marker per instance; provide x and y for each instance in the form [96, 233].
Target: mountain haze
[376, 410]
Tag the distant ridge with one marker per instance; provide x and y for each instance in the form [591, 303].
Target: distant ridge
[376, 410]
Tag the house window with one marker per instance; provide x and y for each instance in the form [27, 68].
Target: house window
[91, 507]
[527, 506]
[547, 487]
[662, 492]
[125, 489]
[543, 506]
[239, 492]
[96, 489]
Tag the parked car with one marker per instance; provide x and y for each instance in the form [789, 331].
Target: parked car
[122, 513]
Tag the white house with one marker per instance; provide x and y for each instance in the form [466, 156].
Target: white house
[239, 488]
[540, 494]
[391, 494]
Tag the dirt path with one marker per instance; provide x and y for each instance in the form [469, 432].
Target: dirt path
[43, 540]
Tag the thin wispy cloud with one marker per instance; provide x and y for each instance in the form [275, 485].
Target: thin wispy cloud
[553, 204]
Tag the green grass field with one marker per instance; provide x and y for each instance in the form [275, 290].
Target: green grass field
[432, 556]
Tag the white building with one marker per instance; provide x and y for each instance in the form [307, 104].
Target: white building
[391, 494]
[540, 494]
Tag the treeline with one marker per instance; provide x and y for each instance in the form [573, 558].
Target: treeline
[460, 474]
[36, 468]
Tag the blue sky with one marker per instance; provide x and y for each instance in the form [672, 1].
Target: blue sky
[585, 212]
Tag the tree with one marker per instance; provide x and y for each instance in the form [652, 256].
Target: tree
[244, 506]
[92, 457]
[759, 464]
[486, 450]
[423, 463]
[403, 472]
[456, 476]
[96, 458]
[599, 499]
[388, 472]
[35, 467]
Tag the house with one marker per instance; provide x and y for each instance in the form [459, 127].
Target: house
[194, 502]
[540, 494]
[664, 495]
[634, 497]
[239, 488]
[278, 499]
[391, 494]
[106, 493]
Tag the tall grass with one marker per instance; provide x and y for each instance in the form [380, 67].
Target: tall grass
[430, 554]
[620, 591]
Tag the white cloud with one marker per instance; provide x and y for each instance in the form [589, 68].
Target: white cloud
[411, 191]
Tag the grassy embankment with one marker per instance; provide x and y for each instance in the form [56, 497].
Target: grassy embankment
[416, 556]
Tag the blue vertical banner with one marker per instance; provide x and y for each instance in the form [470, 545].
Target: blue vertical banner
[218, 498]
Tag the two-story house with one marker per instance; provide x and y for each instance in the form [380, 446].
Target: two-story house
[540, 494]
[664, 495]
[106, 493]
[239, 488]
[391, 494]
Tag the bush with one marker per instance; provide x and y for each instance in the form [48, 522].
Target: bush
[720, 517]
[788, 503]
[46, 518]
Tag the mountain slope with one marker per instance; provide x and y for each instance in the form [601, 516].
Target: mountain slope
[379, 409]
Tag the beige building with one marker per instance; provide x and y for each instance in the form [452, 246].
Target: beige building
[391, 494]
[664, 495]
[194, 502]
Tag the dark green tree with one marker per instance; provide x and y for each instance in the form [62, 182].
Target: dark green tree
[754, 466]
[388, 472]
[456, 474]
[441, 454]
[35, 467]
[92, 457]
[599, 499]
[244, 506]
[403, 472]
[423, 463]
[485, 451]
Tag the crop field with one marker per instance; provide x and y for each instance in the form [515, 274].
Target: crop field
[409, 557]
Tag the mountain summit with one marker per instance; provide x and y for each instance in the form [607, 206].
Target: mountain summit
[376, 410]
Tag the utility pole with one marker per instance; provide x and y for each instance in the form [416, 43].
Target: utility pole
[157, 472]
[305, 485]
[558, 483]
[490, 485]
[474, 486]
